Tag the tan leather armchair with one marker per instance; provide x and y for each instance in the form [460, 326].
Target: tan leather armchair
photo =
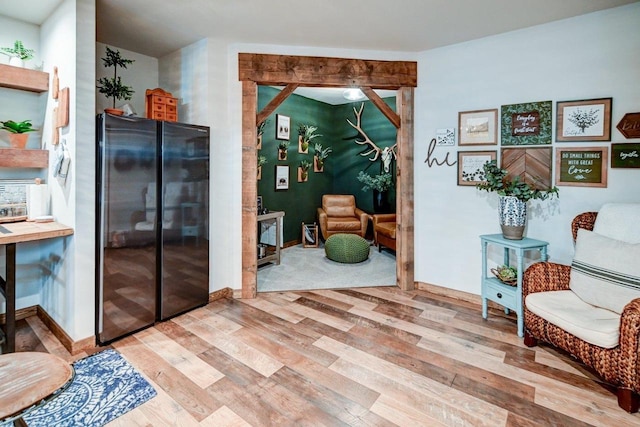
[384, 230]
[339, 214]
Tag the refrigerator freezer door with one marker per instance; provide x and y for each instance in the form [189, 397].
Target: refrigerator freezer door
[127, 174]
[185, 223]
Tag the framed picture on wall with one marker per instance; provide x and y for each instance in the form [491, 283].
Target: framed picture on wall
[586, 120]
[470, 166]
[478, 127]
[282, 177]
[526, 124]
[283, 127]
[582, 167]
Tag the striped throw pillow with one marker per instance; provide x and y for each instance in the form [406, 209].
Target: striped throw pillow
[605, 272]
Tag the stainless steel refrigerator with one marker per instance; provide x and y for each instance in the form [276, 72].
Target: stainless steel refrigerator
[152, 222]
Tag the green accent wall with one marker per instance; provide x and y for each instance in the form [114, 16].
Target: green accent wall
[301, 201]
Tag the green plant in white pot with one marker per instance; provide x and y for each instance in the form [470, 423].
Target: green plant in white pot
[18, 53]
[514, 195]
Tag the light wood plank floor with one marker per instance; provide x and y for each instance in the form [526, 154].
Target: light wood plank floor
[361, 357]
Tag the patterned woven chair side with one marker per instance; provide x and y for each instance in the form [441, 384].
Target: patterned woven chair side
[545, 276]
[629, 369]
[584, 220]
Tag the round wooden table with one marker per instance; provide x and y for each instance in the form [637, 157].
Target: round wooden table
[28, 380]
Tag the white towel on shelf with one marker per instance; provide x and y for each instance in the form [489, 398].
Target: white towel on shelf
[268, 232]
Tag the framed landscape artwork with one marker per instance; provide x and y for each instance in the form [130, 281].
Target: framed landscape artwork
[526, 124]
[470, 166]
[582, 167]
[478, 127]
[586, 120]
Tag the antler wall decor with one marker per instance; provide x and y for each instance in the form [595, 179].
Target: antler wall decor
[386, 154]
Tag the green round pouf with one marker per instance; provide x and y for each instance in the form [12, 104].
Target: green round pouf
[346, 248]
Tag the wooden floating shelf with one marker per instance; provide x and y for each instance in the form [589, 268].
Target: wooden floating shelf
[20, 158]
[23, 79]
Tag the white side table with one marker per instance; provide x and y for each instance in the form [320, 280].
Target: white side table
[510, 297]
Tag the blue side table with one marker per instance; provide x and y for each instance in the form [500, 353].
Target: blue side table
[510, 297]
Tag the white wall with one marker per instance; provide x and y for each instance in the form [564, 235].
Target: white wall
[140, 76]
[591, 56]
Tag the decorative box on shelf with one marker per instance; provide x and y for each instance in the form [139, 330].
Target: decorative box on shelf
[161, 105]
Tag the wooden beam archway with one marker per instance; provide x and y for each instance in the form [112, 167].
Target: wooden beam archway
[295, 71]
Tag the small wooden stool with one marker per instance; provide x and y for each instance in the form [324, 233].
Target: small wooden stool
[28, 380]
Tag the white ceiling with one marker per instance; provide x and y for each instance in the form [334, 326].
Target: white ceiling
[156, 28]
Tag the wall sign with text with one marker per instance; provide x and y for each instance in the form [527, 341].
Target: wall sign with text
[526, 124]
[582, 167]
[625, 155]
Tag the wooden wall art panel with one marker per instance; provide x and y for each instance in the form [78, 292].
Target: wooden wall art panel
[532, 165]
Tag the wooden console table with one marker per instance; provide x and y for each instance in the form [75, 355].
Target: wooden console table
[275, 256]
[10, 234]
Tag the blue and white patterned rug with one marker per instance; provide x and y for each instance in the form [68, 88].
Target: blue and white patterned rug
[105, 387]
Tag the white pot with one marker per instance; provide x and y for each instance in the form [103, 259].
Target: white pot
[16, 62]
[513, 217]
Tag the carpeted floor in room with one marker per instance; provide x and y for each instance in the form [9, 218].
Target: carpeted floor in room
[308, 268]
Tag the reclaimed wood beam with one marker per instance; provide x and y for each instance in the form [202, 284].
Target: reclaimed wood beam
[249, 190]
[382, 106]
[275, 103]
[280, 70]
[404, 190]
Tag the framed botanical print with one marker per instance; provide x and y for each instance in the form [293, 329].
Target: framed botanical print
[471, 166]
[586, 120]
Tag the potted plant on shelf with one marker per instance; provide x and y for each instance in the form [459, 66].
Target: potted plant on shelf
[113, 87]
[514, 195]
[261, 161]
[303, 170]
[260, 131]
[18, 132]
[320, 155]
[380, 184]
[306, 133]
[283, 146]
[18, 54]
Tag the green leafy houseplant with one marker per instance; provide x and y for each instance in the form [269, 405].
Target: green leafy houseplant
[17, 127]
[321, 154]
[18, 51]
[304, 169]
[496, 180]
[307, 134]
[113, 87]
[18, 132]
[380, 183]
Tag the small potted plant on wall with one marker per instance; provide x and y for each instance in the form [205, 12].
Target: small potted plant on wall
[303, 170]
[306, 133]
[113, 87]
[18, 54]
[380, 184]
[18, 132]
[261, 161]
[283, 146]
[514, 195]
[320, 155]
[260, 131]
